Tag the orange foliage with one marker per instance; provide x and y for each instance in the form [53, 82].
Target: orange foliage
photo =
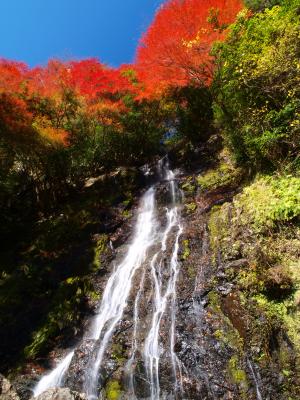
[107, 113]
[15, 120]
[43, 126]
[88, 78]
[54, 135]
[176, 48]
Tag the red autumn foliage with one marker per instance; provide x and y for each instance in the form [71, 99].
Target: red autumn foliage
[50, 80]
[88, 78]
[93, 79]
[175, 51]
[176, 48]
[12, 76]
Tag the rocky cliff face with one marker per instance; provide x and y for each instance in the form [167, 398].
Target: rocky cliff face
[225, 344]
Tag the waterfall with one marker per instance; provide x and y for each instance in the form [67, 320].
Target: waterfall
[130, 364]
[56, 377]
[154, 251]
[256, 379]
[162, 298]
[118, 287]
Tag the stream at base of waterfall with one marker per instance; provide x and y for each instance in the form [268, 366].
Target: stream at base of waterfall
[153, 256]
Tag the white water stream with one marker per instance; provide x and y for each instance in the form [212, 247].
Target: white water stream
[56, 377]
[163, 273]
[162, 299]
[256, 380]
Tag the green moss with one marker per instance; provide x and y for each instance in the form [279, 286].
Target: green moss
[188, 186]
[189, 265]
[261, 226]
[239, 229]
[220, 230]
[128, 201]
[224, 174]
[65, 312]
[118, 352]
[214, 301]
[249, 279]
[228, 336]
[237, 374]
[285, 311]
[99, 249]
[192, 271]
[113, 390]
[186, 249]
[191, 207]
[126, 214]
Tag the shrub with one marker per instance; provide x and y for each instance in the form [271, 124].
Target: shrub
[269, 201]
[257, 87]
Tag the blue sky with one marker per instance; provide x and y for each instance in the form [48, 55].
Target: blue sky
[35, 30]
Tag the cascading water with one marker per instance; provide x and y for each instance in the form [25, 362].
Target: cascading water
[118, 288]
[162, 298]
[130, 364]
[256, 380]
[160, 270]
[56, 377]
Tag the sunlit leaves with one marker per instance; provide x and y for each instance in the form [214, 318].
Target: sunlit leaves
[176, 48]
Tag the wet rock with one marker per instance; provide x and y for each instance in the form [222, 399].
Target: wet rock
[81, 359]
[60, 394]
[209, 314]
[6, 390]
[23, 385]
[233, 309]
[225, 289]
[242, 262]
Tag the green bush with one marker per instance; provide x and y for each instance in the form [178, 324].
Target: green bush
[257, 87]
[269, 201]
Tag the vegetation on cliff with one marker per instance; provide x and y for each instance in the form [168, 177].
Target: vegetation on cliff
[257, 88]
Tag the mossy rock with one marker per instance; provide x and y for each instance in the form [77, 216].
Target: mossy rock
[118, 352]
[186, 251]
[224, 174]
[261, 228]
[191, 207]
[188, 186]
[238, 375]
[65, 313]
[100, 249]
[113, 390]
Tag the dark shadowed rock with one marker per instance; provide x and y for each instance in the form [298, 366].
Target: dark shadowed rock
[23, 385]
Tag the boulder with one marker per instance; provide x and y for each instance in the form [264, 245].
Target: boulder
[6, 390]
[60, 394]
